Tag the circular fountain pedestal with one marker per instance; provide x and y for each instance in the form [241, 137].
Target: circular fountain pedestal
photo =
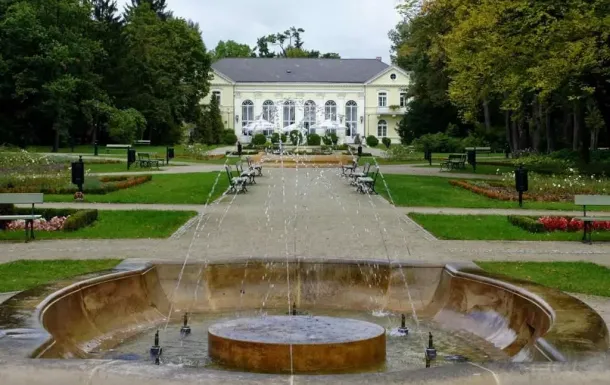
[285, 344]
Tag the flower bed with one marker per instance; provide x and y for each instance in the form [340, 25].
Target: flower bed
[550, 224]
[52, 219]
[55, 224]
[93, 185]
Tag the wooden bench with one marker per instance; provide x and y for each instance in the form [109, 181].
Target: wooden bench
[479, 150]
[145, 160]
[117, 147]
[142, 142]
[23, 198]
[454, 161]
[591, 200]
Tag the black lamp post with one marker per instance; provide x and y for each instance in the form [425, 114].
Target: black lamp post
[521, 182]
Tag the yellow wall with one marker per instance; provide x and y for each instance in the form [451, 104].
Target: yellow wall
[226, 88]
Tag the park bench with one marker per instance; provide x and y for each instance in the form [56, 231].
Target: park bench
[349, 167]
[117, 147]
[23, 198]
[145, 161]
[479, 150]
[455, 161]
[366, 185]
[250, 174]
[591, 200]
[255, 166]
[142, 142]
[236, 184]
[362, 174]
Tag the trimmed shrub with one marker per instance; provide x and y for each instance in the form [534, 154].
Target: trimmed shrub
[530, 224]
[333, 138]
[259, 140]
[284, 138]
[372, 141]
[229, 138]
[327, 140]
[386, 142]
[275, 138]
[296, 137]
[314, 140]
[439, 142]
[80, 219]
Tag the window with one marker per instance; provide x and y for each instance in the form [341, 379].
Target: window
[382, 129]
[351, 118]
[330, 110]
[393, 76]
[247, 112]
[403, 99]
[382, 99]
[289, 113]
[309, 118]
[217, 95]
[269, 111]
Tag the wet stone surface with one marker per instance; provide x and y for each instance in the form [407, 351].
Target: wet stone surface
[297, 330]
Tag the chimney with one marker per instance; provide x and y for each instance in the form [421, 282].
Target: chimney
[378, 58]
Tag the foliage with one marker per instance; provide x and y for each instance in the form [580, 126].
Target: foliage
[372, 141]
[284, 138]
[126, 125]
[386, 142]
[231, 49]
[296, 137]
[80, 219]
[334, 139]
[229, 138]
[527, 223]
[259, 140]
[439, 142]
[327, 140]
[290, 44]
[403, 153]
[275, 138]
[314, 140]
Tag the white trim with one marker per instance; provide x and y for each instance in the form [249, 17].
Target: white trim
[295, 89]
[385, 71]
[387, 98]
[324, 85]
[223, 76]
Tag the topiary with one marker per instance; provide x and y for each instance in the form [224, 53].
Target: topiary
[284, 138]
[229, 138]
[333, 138]
[372, 141]
[80, 219]
[296, 137]
[259, 140]
[314, 140]
[275, 138]
[386, 142]
[327, 141]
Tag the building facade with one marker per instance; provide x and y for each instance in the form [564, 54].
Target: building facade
[366, 95]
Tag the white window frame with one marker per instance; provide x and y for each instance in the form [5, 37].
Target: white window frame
[309, 116]
[247, 112]
[403, 99]
[351, 117]
[330, 110]
[219, 96]
[382, 99]
[289, 113]
[269, 111]
[382, 129]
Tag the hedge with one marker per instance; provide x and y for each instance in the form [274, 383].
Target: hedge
[530, 224]
[77, 218]
[108, 185]
[80, 219]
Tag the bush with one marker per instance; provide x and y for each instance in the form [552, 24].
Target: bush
[334, 139]
[229, 138]
[439, 142]
[400, 152]
[284, 138]
[80, 219]
[527, 223]
[259, 140]
[275, 138]
[296, 137]
[314, 140]
[372, 141]
[386, 142]
[327, 141]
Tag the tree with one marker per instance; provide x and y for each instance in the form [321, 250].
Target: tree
[290, 44]
[158, 6]
[214, 121]
[231, 49]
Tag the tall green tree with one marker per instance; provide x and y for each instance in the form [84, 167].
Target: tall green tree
[290, 44]
[214, 122]
[158, 6]
[231, 49]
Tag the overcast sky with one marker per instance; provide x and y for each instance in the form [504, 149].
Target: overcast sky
[352, 28]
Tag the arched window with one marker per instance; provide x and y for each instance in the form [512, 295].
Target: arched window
[382, 99]
[269, 111]
[309, 118]
[351, 118]
[382, 129]
[330, 110]
[289, 113]
[247, 112]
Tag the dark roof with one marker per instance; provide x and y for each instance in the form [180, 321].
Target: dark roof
[299, 70]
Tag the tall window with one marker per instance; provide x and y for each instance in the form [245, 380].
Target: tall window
[330, 110]
[351, 118]
[403, 99]
[247, 112]
[382, 99]
[269, 111]
[289, 113]
[310, 114]
[382, 129]
[217, 95]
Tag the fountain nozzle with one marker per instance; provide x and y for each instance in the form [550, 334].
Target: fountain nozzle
[156, 351]
[185, 330]
[403, 325]
[430, 351]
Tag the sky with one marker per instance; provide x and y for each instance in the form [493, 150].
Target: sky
[352, 28]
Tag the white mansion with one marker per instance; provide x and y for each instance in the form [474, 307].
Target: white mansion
[366, 96]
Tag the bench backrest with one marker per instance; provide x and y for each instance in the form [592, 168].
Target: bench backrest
[143, 155]
[22, 198]
[592, 200]
[478, 148]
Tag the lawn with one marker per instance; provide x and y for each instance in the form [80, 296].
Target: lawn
[163, 188]
[117, 225]
[482, 169]
[421, 191]
[22, 275]
[491, 227]
[116, 167]
[573, 277]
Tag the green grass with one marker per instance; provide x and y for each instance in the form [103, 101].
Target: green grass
[421, 191]
[491, 228]
[574, 277]
[482, 169]
[117, 225]
[22, 275]
[163, 188]
[115, 167]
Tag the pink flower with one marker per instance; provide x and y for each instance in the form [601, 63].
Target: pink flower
[55, 224]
